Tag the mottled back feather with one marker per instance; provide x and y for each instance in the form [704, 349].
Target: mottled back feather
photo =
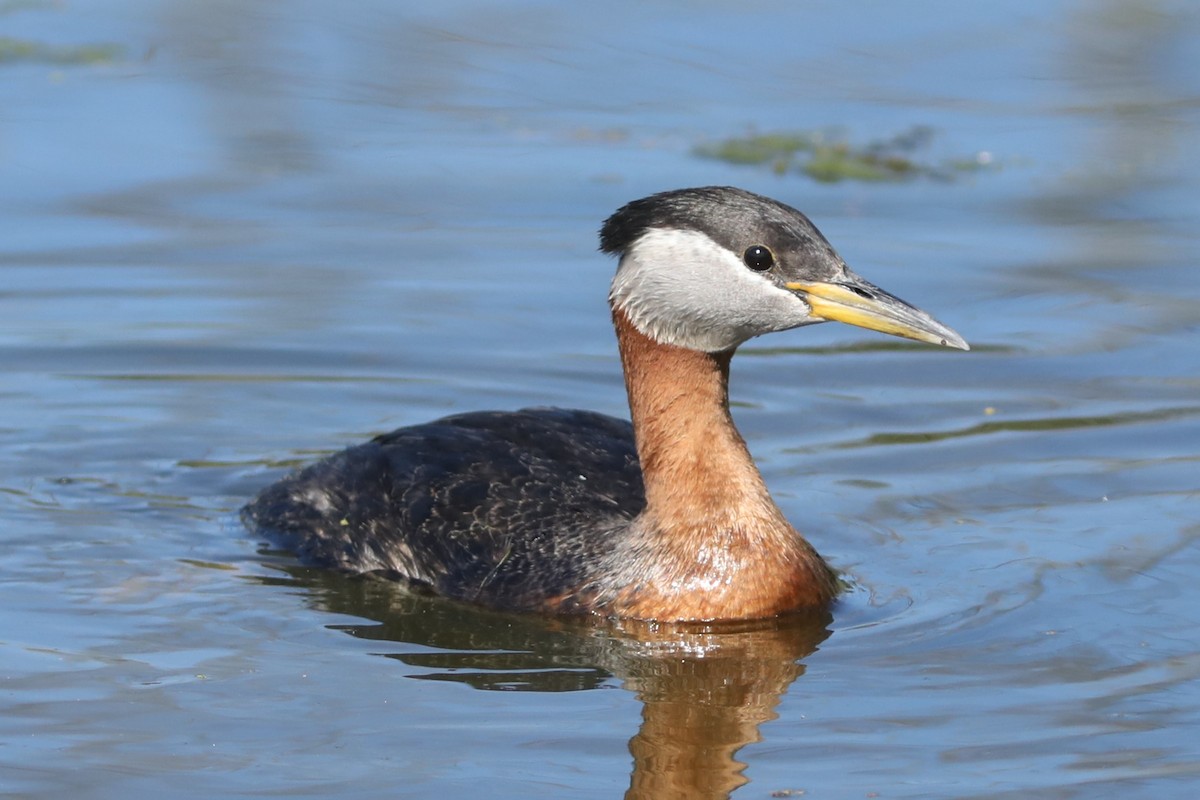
[502, 508]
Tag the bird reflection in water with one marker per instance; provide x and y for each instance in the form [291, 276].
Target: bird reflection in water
[705, 688]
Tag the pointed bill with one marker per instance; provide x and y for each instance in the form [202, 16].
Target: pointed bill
[854, 301]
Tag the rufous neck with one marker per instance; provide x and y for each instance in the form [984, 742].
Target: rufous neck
[693, 459]
[711, 543]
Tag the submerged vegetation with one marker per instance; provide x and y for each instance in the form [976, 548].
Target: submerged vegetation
[12, 50]
[829, 156]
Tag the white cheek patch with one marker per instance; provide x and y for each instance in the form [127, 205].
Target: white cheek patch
[682, 288]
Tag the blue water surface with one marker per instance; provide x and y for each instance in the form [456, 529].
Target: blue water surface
[235, 236]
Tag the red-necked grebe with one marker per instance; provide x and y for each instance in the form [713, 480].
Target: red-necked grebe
[575, 512]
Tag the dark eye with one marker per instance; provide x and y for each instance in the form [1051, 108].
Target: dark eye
[758, 258]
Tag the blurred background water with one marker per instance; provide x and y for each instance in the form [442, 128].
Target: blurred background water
[237, 235]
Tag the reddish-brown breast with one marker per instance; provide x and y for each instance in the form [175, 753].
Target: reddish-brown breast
[711, 544]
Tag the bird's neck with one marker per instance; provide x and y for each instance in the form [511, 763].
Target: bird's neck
[716, 534]
[693, 460]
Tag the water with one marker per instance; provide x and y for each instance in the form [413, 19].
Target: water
[262, 231]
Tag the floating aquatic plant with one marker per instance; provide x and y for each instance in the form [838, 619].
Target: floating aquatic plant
[830, 156]
[12, 50]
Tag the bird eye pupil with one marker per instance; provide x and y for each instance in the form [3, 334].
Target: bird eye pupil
[758, 258]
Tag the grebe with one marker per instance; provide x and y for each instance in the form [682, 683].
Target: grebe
[575, 512]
